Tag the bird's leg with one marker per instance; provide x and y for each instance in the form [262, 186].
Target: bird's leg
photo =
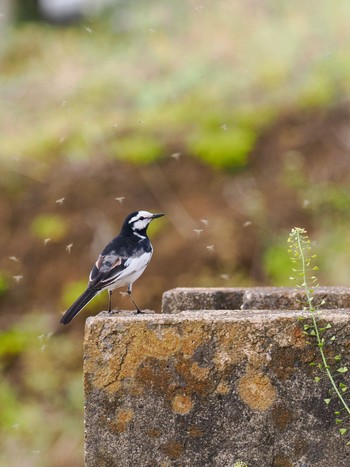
[129, 292]
[110, 300]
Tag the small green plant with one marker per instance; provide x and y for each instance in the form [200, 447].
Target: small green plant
[304, 273]
[240, 464]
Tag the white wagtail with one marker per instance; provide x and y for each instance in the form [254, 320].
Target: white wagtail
[121, 262]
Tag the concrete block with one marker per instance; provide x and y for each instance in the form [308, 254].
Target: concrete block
[259, 298]
[209, 388]
[202, 298]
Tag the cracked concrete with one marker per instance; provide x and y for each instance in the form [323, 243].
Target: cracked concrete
[211, 387]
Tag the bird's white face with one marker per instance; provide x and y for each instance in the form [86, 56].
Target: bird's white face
[141, 220]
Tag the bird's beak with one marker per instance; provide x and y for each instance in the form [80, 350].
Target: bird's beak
[157, 215]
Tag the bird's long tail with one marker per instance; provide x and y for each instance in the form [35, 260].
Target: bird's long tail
[78, 305]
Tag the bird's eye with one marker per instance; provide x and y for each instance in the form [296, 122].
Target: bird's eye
[141, 218]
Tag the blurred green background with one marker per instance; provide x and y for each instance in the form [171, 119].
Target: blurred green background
[232, 117]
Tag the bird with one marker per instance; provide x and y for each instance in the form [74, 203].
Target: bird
[120, 263]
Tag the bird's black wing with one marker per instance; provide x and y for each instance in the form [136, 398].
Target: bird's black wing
[116, 260]
[107, 269]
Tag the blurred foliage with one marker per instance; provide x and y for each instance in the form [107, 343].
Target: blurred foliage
[52, 226]
[276, 262]
[4, 283]
[71, 291]
[138, 149]
[12, 342]
[224, 149]
[168, 72]
[41, 405]
[254, 90]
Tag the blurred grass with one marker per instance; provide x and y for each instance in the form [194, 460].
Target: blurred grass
[49, 226]
[170, 76]
[137, 85]
[42, 402]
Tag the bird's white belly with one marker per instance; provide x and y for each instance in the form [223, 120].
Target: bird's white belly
[134, 269]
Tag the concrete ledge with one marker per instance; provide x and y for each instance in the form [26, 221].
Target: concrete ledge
[259, 298]
[218, 298]
[208, 388]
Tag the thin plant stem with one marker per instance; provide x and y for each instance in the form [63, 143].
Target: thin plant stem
[312, 310]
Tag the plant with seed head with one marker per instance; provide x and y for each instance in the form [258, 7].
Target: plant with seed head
[304, 274]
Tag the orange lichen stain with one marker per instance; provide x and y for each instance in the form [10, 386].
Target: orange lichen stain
[194, 385]
[199, 372]
[155, 375]
[153, 433]
[147, 343]
[182, 404]
[299, 338]
[257, 360]
[288, 334]
[281, 417]
[108, 369]
[283, 362]
[282, 461]
[194, 431]
[194, 335]
[256, 390]
[172, 449]
[124, 417]
[113, 367]
[101, 366]
[223, 388]
[161, 376]
[136, 390]
[231, 341]
[300, 446]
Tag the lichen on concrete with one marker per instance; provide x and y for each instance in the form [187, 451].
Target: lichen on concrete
[256, 390]
[208, 387]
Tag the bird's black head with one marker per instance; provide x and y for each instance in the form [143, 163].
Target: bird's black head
[138, 221]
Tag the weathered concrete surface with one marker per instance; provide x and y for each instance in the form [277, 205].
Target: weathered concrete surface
[259, 298]
[209, 388]
[208, 298]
